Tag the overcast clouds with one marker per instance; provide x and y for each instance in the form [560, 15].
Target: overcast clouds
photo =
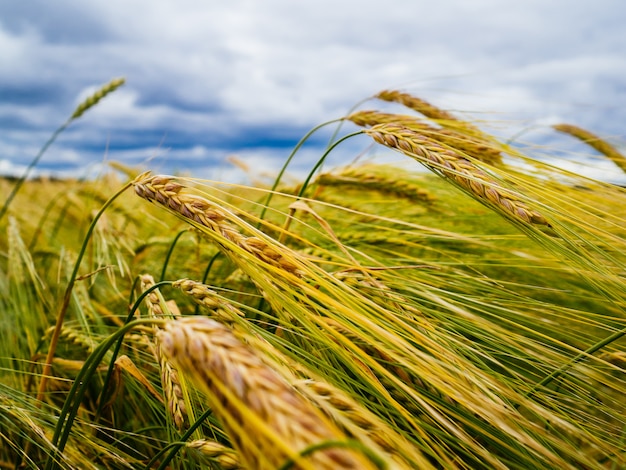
[207, 79]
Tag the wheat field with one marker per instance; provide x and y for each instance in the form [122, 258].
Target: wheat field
[471, 316]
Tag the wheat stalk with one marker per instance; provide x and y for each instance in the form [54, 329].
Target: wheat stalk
[174, 396]
[360, 279]
[198, 210]
[265, 418]
[595, 142]
[416, 104]
[472, 145]
[377, 353]
[82, 107]
[617, 358]
[455, 167]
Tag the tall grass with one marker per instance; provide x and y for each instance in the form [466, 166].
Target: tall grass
[372, 317]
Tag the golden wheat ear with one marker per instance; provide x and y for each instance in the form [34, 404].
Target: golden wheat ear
[457, 168]
[170, 380]
[365, 178]
[421, 106]
[267, 420]
[482, 149]
[594, 142]
[211, 453]
[212, 220]
[203, 295]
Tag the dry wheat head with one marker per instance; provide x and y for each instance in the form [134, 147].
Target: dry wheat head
[163, 190]
[595, 142]
[471, 144]
[457, 168]
[225, 457]
[203, 295]
[266, 419]
[174, 397]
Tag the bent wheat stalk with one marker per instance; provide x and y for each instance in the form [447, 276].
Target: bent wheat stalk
[472, 145]
[457, 168]
[89, 102]
[198, 210]
[361, 423]
[265, 418]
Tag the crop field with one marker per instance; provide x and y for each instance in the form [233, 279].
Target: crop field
[471, 316]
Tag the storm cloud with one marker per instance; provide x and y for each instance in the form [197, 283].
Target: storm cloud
[206, 80]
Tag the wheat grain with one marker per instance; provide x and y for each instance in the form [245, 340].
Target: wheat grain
[457, 168]
[595, 142]
[163, 190]
[252, 400]
[153, 302]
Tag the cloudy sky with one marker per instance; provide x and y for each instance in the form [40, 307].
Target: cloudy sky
[207, 80]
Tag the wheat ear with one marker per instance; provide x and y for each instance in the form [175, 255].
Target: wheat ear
[361, 423]
[75, 337]
[93, 99]
[225, 457]
[172, 388]
[595, 142]
[208, 298]
[442, 117]
[163, 190]
[363, 179]
[265, 418]
[472, 145]
[457, 168]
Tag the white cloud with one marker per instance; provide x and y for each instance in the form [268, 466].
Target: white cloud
[203, 74]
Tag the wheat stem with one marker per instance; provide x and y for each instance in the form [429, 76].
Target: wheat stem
[68, 295]
[88, 103]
